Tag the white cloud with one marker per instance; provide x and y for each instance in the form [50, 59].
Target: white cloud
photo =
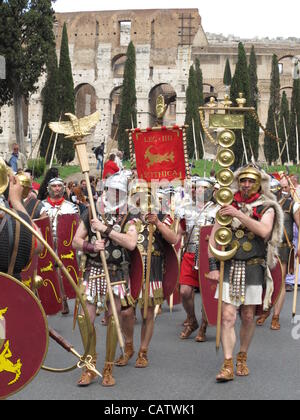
[260, 18]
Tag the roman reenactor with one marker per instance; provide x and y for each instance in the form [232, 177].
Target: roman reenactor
[118, 230]
[257, 230]
[55, 205]
[291, 211]
[199, 211]
[153, 295]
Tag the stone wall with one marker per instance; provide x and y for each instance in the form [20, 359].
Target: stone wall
[167, 43]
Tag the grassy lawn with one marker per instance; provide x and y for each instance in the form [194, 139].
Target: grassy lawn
[200, 167]
[64, 172]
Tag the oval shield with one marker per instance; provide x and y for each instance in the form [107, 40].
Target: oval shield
[207, 287]
[136, 273]
[23, 336]
[172, 270]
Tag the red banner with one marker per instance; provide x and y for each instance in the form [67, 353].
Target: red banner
[160, 154]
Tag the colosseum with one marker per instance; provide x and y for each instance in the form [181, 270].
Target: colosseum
[167, 42]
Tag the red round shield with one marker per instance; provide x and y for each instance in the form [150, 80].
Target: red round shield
[23, 336]
[136, 273]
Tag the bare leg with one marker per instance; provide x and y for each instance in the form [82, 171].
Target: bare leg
[128, 321]
[228, 342]
[247, 327]
[147, 328]
[279, 305]
[228, 333]
[187, 296]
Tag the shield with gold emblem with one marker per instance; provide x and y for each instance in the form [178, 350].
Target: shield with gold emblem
[50, 292]
[23, 336]
[207, 287]
[67, 225]
[28, 273]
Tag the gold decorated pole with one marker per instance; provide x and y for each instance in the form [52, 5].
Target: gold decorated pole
[76, 130]
[228, 118]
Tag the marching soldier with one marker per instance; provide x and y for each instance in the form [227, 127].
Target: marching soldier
[111, 222]
[257, 231]
[54, 205]
[200, 212]
[291, 211]
[151, 295]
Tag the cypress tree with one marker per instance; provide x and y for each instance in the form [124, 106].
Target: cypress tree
[240, 83]
[128, 114]
[25, 38]
[50, 102]
[199, 81]
[253, 80]
[294, 116]
[284, 122]
[192, 113]
[65, 151]
[270, 145]
[227, 74]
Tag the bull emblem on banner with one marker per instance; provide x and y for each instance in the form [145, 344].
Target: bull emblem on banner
[167, 157]
[5, 364]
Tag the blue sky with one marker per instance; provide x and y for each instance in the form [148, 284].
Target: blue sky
[242, 18]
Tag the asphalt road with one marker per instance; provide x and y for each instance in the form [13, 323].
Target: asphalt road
[178, 370]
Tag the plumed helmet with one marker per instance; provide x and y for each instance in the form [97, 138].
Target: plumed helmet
[118, 181]
[275, 186]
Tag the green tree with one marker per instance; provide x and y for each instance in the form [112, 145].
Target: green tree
[270, 145]
[128, 114]
[227, 74]
[294, 129]
[199, 81]
[50, 96]
[284, 122]
[25, 38]
[192, 114]
[240, 84]
[65, 152]
[253, 91]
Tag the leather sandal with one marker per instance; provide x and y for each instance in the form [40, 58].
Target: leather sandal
[261, 320]
[201, 336]
[142, 360]
[241, 364]
[108, 379]
[189, 329]
[226, 373]
[275, 324]
[129, 352]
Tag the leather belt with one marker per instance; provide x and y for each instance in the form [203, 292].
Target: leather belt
[255, 261]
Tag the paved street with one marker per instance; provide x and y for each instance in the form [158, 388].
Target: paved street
[179, 370]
